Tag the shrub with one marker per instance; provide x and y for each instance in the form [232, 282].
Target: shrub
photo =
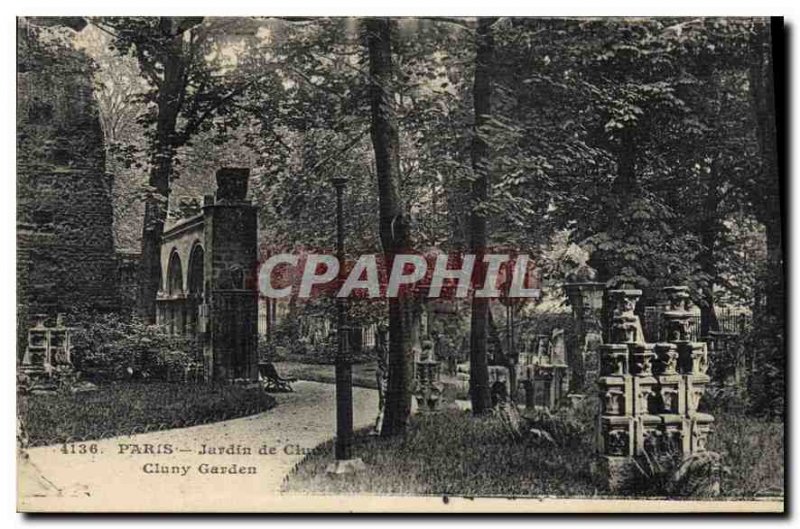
[669, 473]
[731, 399]
[564, 426]
[110, 346]
[536, 323]
[288, 342]
[286, 345]
[268, 350]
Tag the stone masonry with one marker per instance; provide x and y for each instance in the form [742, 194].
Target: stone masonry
[209, 285]
[65, 244]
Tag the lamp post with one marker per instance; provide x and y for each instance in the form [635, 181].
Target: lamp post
[343, 448]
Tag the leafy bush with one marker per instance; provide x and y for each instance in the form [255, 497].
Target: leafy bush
[767, 382]
[564, 426]
[110, 346]
[732, 399]
[536, 323]
[668, 473]
[289, 343]
[268, 351]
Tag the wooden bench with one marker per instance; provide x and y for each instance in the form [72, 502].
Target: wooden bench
[271, 380]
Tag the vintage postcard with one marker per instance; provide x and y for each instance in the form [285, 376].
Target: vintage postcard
[400, 264]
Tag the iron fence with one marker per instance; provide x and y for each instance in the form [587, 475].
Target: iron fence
[729, 321]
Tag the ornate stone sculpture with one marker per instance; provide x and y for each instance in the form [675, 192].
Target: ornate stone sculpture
[49, 351]
[541, 371]
[428, 386]
[585, 296]
[650, 393]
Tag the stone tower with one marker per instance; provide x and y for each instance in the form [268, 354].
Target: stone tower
[65, 258]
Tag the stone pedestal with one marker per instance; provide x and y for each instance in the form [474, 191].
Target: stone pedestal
[345, 466]
[692, 366]
[614, 469]
[530, 392]
[625, 385]
[543, 377]
[586, 299]
[231, 289]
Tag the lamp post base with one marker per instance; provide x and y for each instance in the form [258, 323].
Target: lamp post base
[346, 466]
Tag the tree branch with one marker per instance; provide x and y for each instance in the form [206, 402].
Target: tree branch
[194, 124]
[341, 151]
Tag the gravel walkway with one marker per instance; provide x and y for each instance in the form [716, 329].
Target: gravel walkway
[116, 478]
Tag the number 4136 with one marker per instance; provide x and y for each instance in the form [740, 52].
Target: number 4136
[79, 448]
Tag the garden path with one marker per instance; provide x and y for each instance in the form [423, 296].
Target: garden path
[88, 482]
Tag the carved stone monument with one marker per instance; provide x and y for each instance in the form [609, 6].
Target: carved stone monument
[48, 351]
[210, 288]
[428, 387]
[542, 371]
[650, 393]
[586, 299]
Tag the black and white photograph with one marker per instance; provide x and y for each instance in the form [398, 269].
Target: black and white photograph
[448, 264]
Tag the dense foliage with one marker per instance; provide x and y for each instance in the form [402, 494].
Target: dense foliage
[109, 346]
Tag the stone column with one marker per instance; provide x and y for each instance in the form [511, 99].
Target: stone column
[231, 286]
[530, 401]
[685, 426]
[586, 298]
[616, 439]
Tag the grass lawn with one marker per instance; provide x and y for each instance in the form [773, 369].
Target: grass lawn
[752, 450]
[453, 453]
[124, 408]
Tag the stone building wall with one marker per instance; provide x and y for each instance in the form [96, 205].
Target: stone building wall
[65, 259]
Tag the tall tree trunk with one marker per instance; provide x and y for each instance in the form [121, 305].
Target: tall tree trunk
[762, 86]
[768, 381]
[482, 97]
[624, 189]
[168, 101]
[394, 231]
[709, 231]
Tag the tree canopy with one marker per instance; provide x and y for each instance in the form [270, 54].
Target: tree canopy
[647, 144]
